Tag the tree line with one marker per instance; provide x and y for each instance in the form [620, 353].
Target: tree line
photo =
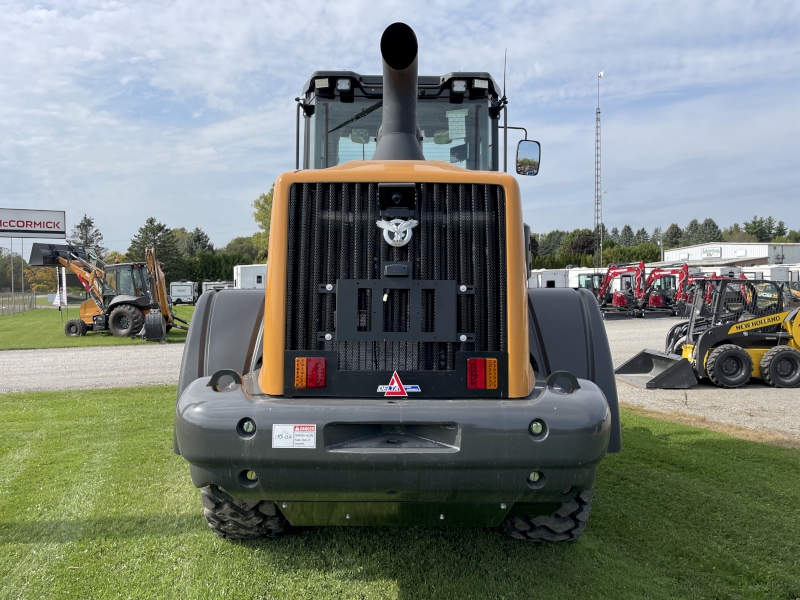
[557, 249]
[185, 254]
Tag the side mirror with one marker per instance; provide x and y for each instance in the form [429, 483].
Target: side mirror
[359, 136]
[528, 154]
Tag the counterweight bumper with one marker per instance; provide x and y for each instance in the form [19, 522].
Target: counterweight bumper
[342, 451]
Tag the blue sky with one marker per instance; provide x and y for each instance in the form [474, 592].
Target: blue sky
[184, 110]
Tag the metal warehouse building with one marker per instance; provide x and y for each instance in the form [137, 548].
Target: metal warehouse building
[733, 253]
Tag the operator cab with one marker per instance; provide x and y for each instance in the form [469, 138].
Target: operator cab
[457, 113]
[126, 279]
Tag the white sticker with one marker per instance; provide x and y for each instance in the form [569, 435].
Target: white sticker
[294, 436]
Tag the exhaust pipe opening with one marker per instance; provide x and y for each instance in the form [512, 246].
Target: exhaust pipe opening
[399, 46]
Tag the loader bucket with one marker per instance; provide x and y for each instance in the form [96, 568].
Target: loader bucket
[654, 370]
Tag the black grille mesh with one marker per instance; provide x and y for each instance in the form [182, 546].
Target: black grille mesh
[460, 237]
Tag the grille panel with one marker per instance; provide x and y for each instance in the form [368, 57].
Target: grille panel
[460, 237]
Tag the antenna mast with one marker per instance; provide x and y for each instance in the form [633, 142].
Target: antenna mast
[598, 181]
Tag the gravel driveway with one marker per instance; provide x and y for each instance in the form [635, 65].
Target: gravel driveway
[755, 406]
[99, 367]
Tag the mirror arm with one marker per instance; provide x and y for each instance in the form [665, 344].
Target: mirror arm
[520, 128]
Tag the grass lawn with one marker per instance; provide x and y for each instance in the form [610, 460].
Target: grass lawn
[45, 329]
[93, 504]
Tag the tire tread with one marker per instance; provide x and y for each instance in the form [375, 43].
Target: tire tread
[564, 525]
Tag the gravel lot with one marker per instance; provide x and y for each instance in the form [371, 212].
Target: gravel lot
[100, 367]
[756, 406]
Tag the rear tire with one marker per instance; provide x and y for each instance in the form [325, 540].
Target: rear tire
[780, 367]
[125, 321]
[241, 519]
[729, 366]
[564, 525]
[75, 328]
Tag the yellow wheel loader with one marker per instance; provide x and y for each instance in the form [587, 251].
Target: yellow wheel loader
[397, 370]
[127, 299]
[737, 330]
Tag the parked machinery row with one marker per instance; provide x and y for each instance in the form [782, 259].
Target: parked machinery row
[634, 290]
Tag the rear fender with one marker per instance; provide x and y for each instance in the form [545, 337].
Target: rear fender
[567, 334]
[233, 320]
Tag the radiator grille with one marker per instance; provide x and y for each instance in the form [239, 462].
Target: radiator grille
[460, 237]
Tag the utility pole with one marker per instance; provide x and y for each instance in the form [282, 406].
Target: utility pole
[598, 183]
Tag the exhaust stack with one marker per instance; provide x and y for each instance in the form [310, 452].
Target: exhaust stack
[399, 135]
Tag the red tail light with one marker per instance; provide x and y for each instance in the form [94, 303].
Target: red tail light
[309, 373]
[482, 374]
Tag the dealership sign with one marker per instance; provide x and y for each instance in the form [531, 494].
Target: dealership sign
[713, 252]
[21, 223]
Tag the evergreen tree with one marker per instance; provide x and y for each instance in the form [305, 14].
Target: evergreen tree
[692, 234]
[734, 233]
[759, 228]
[534, 245]
[198, 241]
[780, 229]
[626, 237]
[710, 232]
[87, 235]
[549, 243]
[614, 235]
[672, 236]
[181, 239]
[769, 228]
[655, 237]
[578, 241]
[157, 235]
[641, 237]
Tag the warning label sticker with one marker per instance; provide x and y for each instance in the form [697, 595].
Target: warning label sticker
[294, 436]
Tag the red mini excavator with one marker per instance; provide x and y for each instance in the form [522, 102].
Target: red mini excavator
[625, 300]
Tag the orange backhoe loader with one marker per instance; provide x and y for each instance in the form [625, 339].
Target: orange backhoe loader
[127, 299]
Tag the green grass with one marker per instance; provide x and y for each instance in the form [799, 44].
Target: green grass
[44, 328]
[93, 504]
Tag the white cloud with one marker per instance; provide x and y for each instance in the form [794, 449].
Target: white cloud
[184, 110]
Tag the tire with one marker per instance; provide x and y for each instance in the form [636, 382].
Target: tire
[564, 525]
[729, 366]
[75, 328]
[125, 320]
[780, 367]
[241, 519]
[178, 301]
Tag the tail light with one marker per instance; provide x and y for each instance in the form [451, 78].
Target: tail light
[309, 373]
[482, 373]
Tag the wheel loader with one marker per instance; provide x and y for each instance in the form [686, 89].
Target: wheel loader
[737, 330]
[397, 370]
[126, 299]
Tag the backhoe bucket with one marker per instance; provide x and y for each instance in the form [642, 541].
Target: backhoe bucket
[654, 370]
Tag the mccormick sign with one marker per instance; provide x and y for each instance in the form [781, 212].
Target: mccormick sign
[20, 223]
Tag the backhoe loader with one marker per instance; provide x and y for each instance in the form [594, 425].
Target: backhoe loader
[737, 330]
[397, 370]
[127, 299]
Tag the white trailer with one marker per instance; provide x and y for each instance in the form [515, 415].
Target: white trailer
[183, 292]
[554, 278]
[250, 277]
[216, 285]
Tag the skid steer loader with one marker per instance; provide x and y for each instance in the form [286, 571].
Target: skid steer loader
[127, 299]
[397, 370]
[738, 329]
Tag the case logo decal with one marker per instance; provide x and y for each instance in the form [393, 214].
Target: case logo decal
[400, 228]
[396, 387]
